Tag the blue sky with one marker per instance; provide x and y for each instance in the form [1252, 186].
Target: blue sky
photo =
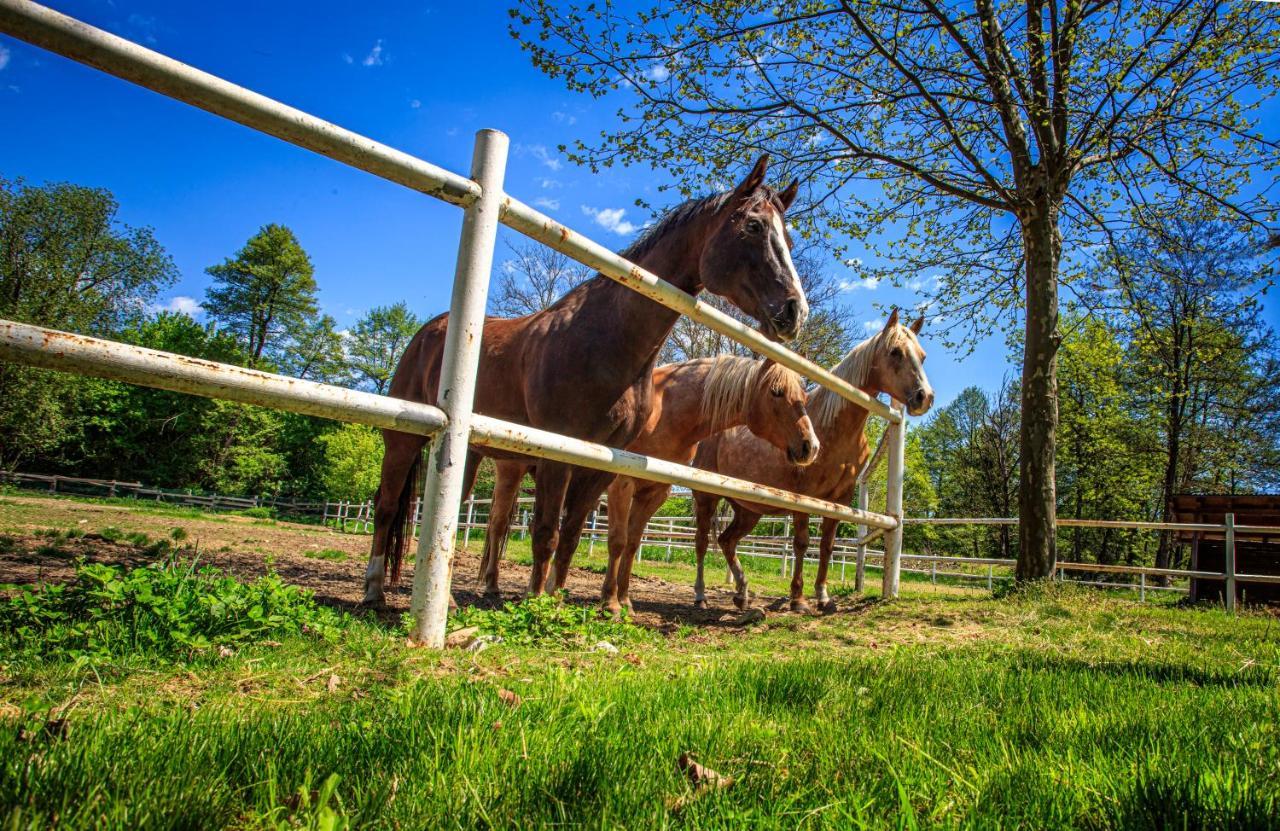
[419, 77]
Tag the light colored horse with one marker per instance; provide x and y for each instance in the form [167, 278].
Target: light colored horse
[892, 361]
[692, 400]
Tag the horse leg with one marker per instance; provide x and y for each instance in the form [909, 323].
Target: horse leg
[506, 486]
[585, 489]
[743, 521]
[646, 502]
[704, 512]
[391, 519]
[549, 484]
[825, 546]
[620, 494]
[799, 545]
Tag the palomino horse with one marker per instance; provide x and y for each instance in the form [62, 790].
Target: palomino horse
[891, 361]
[691, 400]
[583, 366]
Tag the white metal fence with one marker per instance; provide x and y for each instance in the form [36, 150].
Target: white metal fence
[666, 535]
[455, 425]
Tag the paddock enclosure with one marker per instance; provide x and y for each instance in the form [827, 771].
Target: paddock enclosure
[453, 425]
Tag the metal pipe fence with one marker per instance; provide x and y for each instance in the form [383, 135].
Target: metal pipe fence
[485, 206]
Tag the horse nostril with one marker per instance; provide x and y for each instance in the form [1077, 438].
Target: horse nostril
[805, 447]
[788, 315]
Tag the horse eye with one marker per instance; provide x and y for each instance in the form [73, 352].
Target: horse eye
[754, 226]
[896, 352]
[777, 392]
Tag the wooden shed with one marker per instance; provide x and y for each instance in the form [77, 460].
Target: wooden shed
[1256, 553]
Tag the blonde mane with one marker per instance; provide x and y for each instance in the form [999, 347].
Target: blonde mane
[824, 405]
[733, 380]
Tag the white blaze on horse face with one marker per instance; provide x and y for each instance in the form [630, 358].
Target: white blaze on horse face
[778, 239]
[917, 369]
[814, 445]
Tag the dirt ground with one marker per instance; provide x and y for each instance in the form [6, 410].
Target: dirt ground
[247, 547]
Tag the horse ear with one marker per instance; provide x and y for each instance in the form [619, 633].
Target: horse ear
[892, 321]
[918, 324]
[789, 195]
[755, 178]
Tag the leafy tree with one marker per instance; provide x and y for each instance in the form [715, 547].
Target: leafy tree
[535, 277]
[265, 293]
[66, 262]
[377, 341]
[1207, 365]
[969, 453]
[352, 462]
[991, 136]
[316, 351]
[1105, 437]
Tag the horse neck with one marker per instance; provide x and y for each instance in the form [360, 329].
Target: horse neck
[841, 435]
[636, 325]
[684, 420]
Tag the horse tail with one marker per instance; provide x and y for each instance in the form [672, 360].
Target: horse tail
[401, 530]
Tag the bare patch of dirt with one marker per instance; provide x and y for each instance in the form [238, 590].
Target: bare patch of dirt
[248, 547]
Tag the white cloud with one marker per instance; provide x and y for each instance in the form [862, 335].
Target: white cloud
[872, 326]
[346, 58]
[415, 104]
[564, 118]
[868, 283]
[549, 204]
[180, 304]
[4, 57]
[657, 73]
[611, 219]
[374, 58]
[547, 183]
[927, 283]
[145, 25]
[542, 154]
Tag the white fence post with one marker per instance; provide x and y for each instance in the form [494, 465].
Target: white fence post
[461, 362]
[893, 505]
[860, 569]
[1229, 561]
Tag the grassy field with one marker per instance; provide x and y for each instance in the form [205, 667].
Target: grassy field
[948, 708]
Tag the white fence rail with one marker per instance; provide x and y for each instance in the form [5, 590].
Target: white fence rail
[676, 533]
[457, 425]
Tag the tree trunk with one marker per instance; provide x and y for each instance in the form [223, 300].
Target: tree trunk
[1037, 494]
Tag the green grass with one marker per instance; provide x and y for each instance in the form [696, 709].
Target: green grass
[1047, 708]
[1068, 710]
[327, 554]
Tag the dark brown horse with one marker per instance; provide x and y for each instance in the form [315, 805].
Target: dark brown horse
[583, 366]
[892, 362]
[691, 400]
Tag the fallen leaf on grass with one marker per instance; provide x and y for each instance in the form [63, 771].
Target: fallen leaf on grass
[461, 638]
[702, 778]
[510, 699]
[333, 683]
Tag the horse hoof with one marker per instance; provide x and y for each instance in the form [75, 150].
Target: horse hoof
[827, 607]
[740, 602]
[700, 603]
[801, 606]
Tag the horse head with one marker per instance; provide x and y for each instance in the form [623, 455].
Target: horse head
[746, 256]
